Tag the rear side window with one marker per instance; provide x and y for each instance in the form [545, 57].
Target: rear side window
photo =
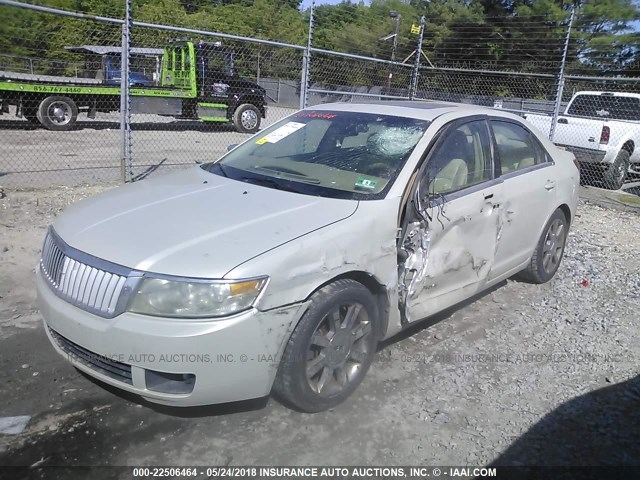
[517, 149]
[606, 106]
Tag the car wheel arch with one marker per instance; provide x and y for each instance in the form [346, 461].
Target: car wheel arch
[379, 291]
[565, 209]
[629, 146]
[567, 213]
[251, 99]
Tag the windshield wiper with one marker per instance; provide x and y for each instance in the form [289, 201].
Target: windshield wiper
[301, 177]
[218, 169]
[266, 182]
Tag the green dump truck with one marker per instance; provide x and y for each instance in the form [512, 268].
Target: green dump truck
[190, 80]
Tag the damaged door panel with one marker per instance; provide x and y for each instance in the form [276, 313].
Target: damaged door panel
[449, 258]
[451, 229]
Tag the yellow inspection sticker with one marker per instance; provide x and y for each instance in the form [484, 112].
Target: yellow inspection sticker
[280, 133]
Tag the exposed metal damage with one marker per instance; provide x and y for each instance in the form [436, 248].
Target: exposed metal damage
[430, 250]
[413, 255]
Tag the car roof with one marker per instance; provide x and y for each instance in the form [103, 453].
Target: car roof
[423, 110]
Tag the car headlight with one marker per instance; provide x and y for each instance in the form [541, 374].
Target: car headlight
[190, 298]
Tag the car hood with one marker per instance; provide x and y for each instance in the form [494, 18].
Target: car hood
[193, 223]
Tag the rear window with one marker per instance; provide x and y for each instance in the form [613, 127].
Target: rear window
[606, 106]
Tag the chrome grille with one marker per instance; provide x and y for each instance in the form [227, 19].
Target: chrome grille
[90, 288]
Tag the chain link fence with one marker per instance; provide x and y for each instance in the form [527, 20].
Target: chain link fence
[70, 116]
[230, 88]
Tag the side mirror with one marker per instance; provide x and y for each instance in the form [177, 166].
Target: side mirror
[231, 147]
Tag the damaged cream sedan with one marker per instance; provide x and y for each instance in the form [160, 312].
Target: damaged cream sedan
[280, 266]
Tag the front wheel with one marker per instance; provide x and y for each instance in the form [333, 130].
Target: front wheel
[616, 174]
[330, 350]
[57, 113]
[548, 254]
[246, 118]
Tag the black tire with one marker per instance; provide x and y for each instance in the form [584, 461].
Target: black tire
[548, 254]
[345, 357]
[57, 113]
[246, 118]
[616, 174]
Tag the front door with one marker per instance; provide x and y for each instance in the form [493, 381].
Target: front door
[449, 233]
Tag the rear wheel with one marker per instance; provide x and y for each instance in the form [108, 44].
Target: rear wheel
[548, 254]
[616, 173]
[331, 349]
[246, 118]
[57, 113]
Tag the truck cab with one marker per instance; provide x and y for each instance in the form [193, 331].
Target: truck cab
[221, 94]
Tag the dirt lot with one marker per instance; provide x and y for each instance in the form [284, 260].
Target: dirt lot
[524, 374]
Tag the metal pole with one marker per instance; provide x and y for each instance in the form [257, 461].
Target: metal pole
[125, 101]
[258, 68]
[306, 62]
[416, 68]
[393, 52]
[556, 110]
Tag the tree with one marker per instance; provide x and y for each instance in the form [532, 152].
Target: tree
[604, 39]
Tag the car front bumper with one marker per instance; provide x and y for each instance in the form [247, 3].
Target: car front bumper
[229, 359]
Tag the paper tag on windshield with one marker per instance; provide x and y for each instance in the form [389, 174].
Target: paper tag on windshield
[280, 133]
[367, 183]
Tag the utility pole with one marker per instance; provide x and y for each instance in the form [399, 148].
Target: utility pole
[416, 68]
[398, 17]
[306, 62]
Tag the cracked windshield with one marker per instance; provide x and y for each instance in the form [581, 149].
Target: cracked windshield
[327, 153]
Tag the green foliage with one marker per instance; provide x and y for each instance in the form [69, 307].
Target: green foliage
[517, 35]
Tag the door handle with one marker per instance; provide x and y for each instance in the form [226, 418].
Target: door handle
[563, 120]
[487, 197]
[550, 185]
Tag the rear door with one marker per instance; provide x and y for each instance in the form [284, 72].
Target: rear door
[529, 187]
[448, 238]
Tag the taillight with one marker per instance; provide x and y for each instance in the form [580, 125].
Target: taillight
[604, 136]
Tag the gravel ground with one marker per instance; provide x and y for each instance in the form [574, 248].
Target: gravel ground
[524, 374]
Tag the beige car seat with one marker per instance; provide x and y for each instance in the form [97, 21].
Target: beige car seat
[453, 176]
[455, 170]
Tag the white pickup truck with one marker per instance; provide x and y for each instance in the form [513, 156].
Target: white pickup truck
[602, 129]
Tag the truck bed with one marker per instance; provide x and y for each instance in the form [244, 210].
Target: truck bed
[36, 78]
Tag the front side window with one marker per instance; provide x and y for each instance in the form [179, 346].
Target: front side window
[463, 159]
[326, 153]
[517, 149]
